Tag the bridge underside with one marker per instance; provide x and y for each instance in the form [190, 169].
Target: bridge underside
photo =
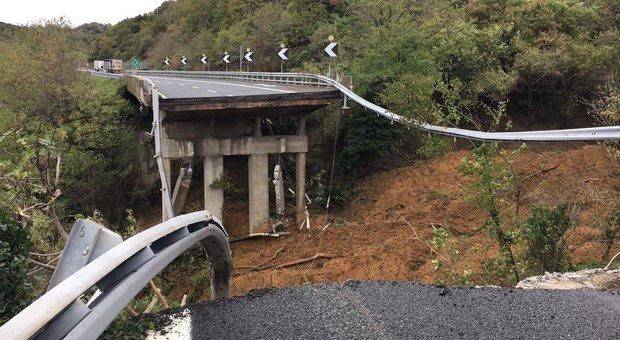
[214, 119]
[250, 107]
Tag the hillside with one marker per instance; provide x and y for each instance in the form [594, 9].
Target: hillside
[386, 233]
[7, 31]
[91, 32]
[532, 58]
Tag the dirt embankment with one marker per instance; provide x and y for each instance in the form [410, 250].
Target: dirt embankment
[384, 233]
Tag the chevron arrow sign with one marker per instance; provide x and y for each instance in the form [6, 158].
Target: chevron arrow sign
[282, 53]
[167, 61]
[184, 60]
[332, 49]
[226, 58]
[203, 59]
[248, 56]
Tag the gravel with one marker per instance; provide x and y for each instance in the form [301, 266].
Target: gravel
[409, 310]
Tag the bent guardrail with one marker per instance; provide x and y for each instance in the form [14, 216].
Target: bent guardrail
[584, 134]
[120, 274]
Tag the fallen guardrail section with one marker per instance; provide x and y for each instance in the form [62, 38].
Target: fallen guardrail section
[98, 263]
[584, 134]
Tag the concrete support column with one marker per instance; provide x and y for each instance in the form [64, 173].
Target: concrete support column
[300, 176]
[258, 182]
[214, 197]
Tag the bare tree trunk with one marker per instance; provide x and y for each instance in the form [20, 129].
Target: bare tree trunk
[58, 225]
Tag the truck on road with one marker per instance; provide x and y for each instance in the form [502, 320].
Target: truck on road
[98, 65]
[113, 65]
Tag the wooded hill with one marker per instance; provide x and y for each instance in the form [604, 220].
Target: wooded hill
[462, 61]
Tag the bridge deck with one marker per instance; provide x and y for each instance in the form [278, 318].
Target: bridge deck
[196, 99]
[183, 88]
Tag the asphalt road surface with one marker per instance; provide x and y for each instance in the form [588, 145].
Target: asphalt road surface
[176, 88]
[370, 310]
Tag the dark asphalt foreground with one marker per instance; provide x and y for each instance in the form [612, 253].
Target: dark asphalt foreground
[409, 310]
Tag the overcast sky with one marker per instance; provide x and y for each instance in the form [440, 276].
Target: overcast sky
[22, 12]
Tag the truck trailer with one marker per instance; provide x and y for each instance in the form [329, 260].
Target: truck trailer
[98, 65]
[113, 65]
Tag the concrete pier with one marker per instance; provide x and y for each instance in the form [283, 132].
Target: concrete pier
[214, 197]
[300, 176]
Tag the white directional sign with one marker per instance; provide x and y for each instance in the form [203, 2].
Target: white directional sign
[226, 60]
[184, 60]
[282, 53]
[167, 61]
[248, 56]
[332, 49]
[203, 59]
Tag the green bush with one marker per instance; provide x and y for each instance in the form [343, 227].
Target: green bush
[366, 139]
[15, 292]
[101, 169]
[545, 234]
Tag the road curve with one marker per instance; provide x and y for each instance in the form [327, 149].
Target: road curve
[406, 310]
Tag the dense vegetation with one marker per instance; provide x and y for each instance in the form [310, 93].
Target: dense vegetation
[476, 63]
[461, 60]
[15, 291]
[67, 149]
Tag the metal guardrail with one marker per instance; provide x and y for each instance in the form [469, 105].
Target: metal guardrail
[268, 77]
[120, 274]
[584, 134]
[165, 186]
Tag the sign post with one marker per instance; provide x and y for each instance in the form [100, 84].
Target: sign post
[204, 62]
[226, 60]
[331, 50]
[283, 56]
[184, 62]
[248, 57]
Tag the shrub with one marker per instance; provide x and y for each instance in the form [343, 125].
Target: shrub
[492, 172]
[366, 139]
[611, 229]
[14, 248]
[101, 169]
[545, 234]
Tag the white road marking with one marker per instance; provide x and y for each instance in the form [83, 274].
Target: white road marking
[168, 82]
[233, 84]
[211, 91]
[196, 87]
[162, 96]
[179, 327]
[265, 85]
[181, 84]
[230, 95]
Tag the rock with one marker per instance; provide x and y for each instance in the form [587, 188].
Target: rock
[583, 279]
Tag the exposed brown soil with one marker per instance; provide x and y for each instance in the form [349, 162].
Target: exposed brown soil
[374, 237]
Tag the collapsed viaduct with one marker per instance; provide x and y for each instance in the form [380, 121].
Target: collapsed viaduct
[213, 118]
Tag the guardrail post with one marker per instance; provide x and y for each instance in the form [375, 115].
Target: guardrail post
[165, 189]
[87, 241]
